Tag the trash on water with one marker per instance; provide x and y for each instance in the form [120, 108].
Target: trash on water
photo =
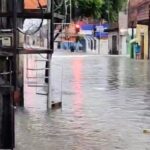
[146, 131]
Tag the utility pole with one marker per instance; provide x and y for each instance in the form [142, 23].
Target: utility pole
[66, 9]
[149, 34]
[108, 12]
[50, 45]
[99, 42]
[132, 37]
[70, 11]
[97, 30]
[15, 44]
[15, 58]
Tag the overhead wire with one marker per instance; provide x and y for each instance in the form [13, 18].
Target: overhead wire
[39, 27]
[28, 32]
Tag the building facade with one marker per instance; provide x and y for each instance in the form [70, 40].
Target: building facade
[139, 18]
[118, 33]
[123, 32]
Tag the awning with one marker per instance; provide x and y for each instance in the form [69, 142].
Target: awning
[135, 40]
[112, 30]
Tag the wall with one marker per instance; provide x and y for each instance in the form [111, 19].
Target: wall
[123, 21]
[123, 44]
[143, 29]
[134, 3]
[104, 47]
[138, 11]
[123, 31]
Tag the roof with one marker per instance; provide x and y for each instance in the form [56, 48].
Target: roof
[33, 4]
[112, 27]
[112, 30]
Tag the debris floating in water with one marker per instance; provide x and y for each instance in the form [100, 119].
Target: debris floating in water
[146, 131]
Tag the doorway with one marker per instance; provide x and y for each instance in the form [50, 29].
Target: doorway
[142, 46]
[114, 45]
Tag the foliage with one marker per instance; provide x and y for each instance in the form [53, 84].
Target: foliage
[90, 7]
[98, 9]
[114, 6]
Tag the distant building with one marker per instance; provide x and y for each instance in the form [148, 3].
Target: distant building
[113, 38]
[96, 40]
[139, 13]
[118, 33]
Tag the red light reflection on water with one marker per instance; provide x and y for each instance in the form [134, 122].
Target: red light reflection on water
[30, 92]
[77, 66]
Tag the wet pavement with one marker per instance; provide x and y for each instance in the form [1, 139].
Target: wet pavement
[106, 106]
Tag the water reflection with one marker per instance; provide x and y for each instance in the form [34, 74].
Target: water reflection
[113, 73]
[77, 82]
[105, 106]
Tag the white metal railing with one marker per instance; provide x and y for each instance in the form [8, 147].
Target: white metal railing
[35, 78]
[32, 72]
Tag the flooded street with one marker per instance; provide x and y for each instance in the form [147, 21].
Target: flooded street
[106, 106]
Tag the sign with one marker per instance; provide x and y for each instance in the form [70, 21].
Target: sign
[87, 29]
[100, 28]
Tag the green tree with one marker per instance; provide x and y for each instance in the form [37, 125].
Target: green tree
[113, 7]
[90, 8]
[107, 9]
